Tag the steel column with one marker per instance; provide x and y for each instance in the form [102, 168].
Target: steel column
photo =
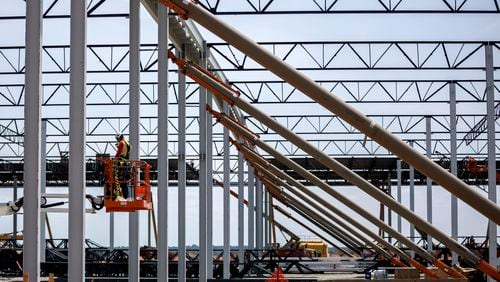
[43, 181]
[134, 131]
[78, 80]
[492, 186]
[258, 215]
[14, 216]
[210, 196]
[150, 218]
[266, 216]
[412, 197]
[203, 192]
[453, 163]
[162, 144]
[111, 230]
[268, 219]
[227, 195]
[32, 124]
[241, 207]
[251, 208]
[398, 174]
[389, 211]
[428, 142]
[342, 109]
[181, 165]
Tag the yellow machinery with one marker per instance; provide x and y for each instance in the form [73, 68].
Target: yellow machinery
[315, 246]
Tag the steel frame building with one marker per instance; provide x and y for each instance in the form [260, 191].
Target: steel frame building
[131, 77]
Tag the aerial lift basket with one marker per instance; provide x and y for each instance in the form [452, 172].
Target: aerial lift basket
[127, 186]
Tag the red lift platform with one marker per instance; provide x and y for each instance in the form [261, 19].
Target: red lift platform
[127, 186]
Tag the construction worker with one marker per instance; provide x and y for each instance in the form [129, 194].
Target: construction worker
[121, 167]
[122, 148]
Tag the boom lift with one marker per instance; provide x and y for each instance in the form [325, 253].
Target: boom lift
[127, 186]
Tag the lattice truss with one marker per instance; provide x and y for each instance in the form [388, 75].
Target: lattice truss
[400, 105]
[346, 6]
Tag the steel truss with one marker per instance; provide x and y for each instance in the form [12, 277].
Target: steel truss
[330, 133]
[338, 55]
[368, 91]
[267, 92]
[259, 7]
[425, 55]
[58, 9]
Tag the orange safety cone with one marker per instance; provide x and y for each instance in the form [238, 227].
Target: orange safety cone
[277, 276]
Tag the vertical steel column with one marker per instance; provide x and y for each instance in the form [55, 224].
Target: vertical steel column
[77, 116]
[269, 217]
[134, 131]
[266, 216]
[398, 174]
[227, 233]
[202, 258]
[210, 196]
[181, 165]
[412, 197]
[149, 227]
[428, 145]
[43, 181]
[453, 163]
[32, 111]
[258, 215]
[389, 211]
[251, 208]
[111, 230]
[241, 217]
[14, 216]
[492, 186]
[162, 144]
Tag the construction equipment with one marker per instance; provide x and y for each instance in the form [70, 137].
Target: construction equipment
[127, 186]
[473, 167]
[13, 207]
[316, 246]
